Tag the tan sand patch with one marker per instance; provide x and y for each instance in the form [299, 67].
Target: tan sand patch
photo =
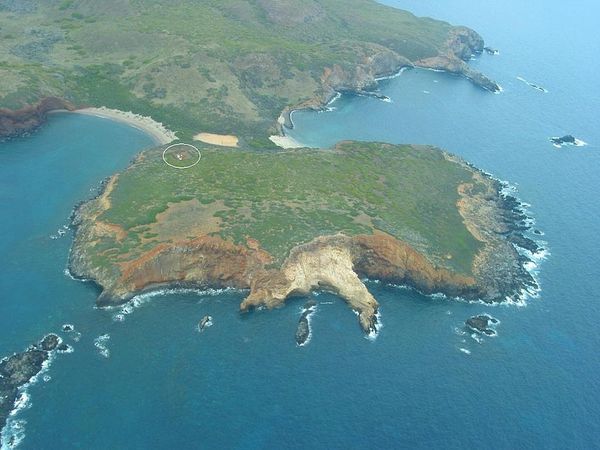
[187, 219]
[224, 140]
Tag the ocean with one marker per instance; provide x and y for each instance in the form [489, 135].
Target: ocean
[142, 376]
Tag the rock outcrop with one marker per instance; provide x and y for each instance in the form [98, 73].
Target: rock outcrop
[461, 45]
[334, 263]
[482, 324]
[379, 61]
[17, 122]
[303, 328]
[18, 369]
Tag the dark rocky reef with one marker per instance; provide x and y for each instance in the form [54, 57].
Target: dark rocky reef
[303, 330]
[567, 140]
[21, 121]
[18, 369]
[482, 324]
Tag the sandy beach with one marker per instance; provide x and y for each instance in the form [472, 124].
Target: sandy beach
[286, 142]
[160, 133]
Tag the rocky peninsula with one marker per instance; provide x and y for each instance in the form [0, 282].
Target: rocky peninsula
[265, 222]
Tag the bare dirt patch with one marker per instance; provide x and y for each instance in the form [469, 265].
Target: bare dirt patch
[187, 219]
[223, 140]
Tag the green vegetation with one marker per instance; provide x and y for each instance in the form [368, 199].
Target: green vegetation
[223, 66]
[286, 198]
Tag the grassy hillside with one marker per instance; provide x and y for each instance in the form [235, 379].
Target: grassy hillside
[224, 66]
[286, 198]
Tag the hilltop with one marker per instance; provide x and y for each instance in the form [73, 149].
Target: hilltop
[229, 67]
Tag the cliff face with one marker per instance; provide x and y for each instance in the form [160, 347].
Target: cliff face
[377, 61]
[16, 122]
[333, 263]
[461, 45]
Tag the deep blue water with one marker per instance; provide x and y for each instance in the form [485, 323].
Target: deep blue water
[243, 383]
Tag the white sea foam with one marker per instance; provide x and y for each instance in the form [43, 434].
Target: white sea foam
[335, 98]
[68, 273]
[426, 92]
[100, 344]
[13, 433]
[477, 338]
[69, 349]
[62, 231]
[141, 299]
[465, 351]
[533, 85]
[22, 402]
[395, 75]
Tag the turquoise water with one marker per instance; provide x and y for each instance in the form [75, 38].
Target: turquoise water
[243, 383]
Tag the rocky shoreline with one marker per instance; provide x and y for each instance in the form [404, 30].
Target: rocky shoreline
[461, 45]
[336, 263]
[19, 122]
[19, 369]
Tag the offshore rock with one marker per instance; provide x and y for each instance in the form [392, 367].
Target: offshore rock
[303, 330]
[206, 321]
[18, 369]
[481, 324]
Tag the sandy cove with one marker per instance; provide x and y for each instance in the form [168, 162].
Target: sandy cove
[161, 134]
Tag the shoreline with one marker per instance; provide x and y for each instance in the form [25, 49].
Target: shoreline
[285, 117]
[286, 142]
[161, 134]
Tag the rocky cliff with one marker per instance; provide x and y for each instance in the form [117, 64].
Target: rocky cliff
[16, 122]
[377, 61]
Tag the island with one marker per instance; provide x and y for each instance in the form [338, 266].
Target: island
[235, 68]
[283, 223]
[241, 212]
